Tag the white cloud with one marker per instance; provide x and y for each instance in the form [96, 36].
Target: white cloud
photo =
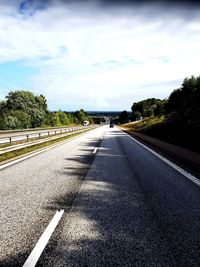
[94, 56]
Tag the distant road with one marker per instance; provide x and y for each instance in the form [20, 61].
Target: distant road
[123, 206]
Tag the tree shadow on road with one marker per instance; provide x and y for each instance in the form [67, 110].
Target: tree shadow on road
[108, 222]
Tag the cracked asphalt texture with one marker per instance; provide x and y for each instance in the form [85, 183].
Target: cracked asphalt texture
[123, 206]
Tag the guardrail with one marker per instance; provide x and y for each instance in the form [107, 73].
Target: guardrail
[37, 135]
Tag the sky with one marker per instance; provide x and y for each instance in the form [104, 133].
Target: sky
[97, 55]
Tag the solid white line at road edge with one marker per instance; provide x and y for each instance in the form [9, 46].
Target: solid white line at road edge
[42, 242]
[32, 154]
[14, 161]
[171, 164]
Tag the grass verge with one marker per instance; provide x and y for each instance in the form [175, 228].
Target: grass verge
[17, 153]
[31, 139]
[39, 129]
[144, 124]
[169, 130]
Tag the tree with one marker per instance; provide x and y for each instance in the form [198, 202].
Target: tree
[21, 100]
[55, 119]
[149, 112]
[71, 118]
[22, 110]
[148, 107]
[14, 120]
[184, 103]
[81, 116]
[136, 115]
[63, 118]
[123, 117]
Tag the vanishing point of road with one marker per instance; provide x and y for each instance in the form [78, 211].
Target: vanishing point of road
[119, 205]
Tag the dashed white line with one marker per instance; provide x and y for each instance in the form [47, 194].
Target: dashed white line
[171, 164]
[42, 242]
[95, 150]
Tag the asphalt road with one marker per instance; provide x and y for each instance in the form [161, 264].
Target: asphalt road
[22, 136]
[123, 206]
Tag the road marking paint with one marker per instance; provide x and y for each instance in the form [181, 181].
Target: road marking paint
[102, 138]
[15, 161]
[42, 242]
[170, 163]
[95, 150]
[31, 155]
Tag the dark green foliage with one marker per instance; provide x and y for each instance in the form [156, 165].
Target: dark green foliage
[148, 107]
[123, 117]
[55, 119]
[183, 108]
[185, 101]
[61, 118]
[22, 109]
[182, 111]
[14, 119]
[136, 115]
[82, 116]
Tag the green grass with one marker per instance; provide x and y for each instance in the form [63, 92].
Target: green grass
[144, 124]
[169, 130]
[17, 153]
[42, 128]
[32, 139]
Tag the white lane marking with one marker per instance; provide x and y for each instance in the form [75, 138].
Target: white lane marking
[102, 138]
[31, 155]
[95, 150]
[171, 164]
[15, 161]
[42, 242]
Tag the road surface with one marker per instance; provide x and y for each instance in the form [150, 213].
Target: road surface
[6, 138]
[123, 206]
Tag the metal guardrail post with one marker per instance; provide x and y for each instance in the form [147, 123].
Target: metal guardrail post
[27, 137]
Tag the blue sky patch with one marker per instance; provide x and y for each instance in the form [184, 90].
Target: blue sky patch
[29, 7]
[15, 75]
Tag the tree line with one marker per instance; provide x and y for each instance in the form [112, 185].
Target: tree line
[22, 109]
[181, 111]
[145, 108]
